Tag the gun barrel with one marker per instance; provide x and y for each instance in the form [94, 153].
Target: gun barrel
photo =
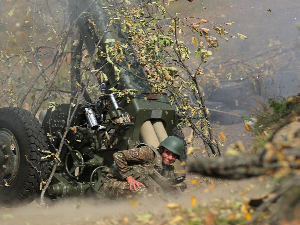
[103, 34]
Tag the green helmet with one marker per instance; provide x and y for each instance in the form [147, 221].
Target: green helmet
[173, 144]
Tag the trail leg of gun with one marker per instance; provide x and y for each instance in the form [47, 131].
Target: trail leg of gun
[178, 191]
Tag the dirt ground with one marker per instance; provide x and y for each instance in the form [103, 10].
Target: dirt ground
[91, 211]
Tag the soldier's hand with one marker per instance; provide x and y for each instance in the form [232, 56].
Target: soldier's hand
[133, 183]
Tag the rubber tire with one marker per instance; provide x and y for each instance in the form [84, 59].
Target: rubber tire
[178, 133]
[30, 137]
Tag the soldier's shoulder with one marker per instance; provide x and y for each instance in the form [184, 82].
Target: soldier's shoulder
[143, 151]
[146, 148]
[143, 147]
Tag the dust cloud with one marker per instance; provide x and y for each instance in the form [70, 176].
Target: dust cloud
[94, 211]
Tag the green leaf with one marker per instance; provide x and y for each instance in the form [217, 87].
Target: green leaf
[7, 216]
[66, 47]
[194, 41]
[269, 10]
[243, 37]
[236, 205]
[113, 89]
[197, 52]
[75, 42]
[171, 68]
[109, 41]
[11, 12]
[45, 151]
[145, 217]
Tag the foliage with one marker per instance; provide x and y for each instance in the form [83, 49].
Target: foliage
[161, 42]
[32, 52]
[269, 119]
[36, 72]
[285, 107]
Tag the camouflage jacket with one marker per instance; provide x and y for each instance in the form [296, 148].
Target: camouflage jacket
[137, 162]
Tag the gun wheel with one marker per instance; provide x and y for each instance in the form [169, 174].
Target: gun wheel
[21, 167]
[97, 178]
[75, 164]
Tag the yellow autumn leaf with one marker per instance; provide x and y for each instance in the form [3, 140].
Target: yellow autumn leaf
[244, 208]
[173, 206]
[190, 139]
[231, 151]
[11, 12]
[294, 117]
[183, 163]
[222, 136]
[205, 30]
[110, 23]
[248, 216]
[194, 201]
[247, 127]
[190, 150]
[268, 145]
[177, 219]
[194, 181]
[269, 155]
[244, 191]
[126, 219]
[133, 203]
[194, 41]
[280, 156]
[196, 25]
[168, 77]
[74, 129]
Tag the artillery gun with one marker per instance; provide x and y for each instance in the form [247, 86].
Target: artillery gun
[99, 128]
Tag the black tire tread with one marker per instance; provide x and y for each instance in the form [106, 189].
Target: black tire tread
[37, 170]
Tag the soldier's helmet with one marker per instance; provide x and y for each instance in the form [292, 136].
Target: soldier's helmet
[173, 144]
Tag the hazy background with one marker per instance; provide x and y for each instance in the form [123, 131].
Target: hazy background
[266, 64]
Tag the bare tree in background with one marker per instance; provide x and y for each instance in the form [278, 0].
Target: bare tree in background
[51, 62]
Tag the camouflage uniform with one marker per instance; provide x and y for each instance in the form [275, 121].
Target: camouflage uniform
[133, 163]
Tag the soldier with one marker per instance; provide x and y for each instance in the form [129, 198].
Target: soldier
[133, 170]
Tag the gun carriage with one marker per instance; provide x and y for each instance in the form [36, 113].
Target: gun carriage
[98, 128]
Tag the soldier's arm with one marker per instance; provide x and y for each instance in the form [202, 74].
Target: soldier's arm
[133, 183]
